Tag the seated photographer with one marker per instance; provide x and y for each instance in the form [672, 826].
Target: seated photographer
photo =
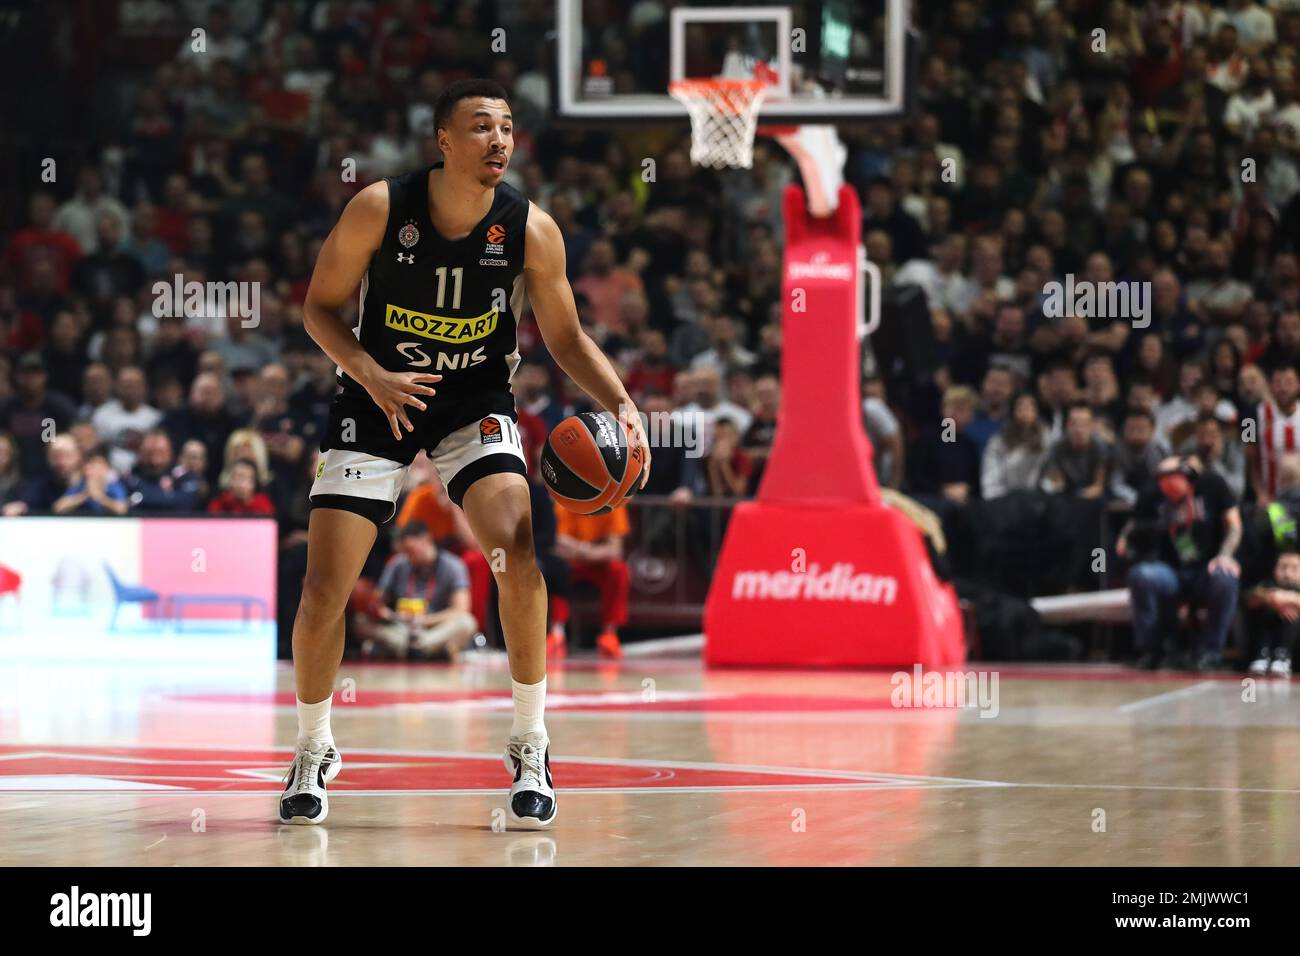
[1194, 525]
[423, 608]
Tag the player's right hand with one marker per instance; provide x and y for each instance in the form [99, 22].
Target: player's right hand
[393, 391]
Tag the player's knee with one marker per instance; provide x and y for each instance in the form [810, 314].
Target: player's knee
[321, 600]
[516, 550]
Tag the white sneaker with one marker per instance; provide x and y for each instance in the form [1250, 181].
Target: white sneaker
[304, 799]
[532, 795]
[1259, 665]
[1281, 667]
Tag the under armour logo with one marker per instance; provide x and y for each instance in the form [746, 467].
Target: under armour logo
[351, 472]
[406, 258]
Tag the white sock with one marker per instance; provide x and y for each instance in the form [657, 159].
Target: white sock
[314, 722]
[530, 705]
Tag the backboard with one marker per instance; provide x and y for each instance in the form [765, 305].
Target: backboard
[833, 60]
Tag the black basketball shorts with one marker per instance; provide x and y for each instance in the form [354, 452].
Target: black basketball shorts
[363, 467]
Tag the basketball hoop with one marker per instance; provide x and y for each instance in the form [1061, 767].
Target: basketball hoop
[724, 117]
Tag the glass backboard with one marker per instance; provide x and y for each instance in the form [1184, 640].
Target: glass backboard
[832, 59]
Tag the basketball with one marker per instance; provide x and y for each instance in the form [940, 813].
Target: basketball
[587, 463]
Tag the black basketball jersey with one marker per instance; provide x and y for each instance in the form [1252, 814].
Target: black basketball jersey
[448, 308]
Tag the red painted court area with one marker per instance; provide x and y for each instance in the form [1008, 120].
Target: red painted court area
[89, 769]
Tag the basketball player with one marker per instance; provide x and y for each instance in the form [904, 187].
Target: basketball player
[444, 257]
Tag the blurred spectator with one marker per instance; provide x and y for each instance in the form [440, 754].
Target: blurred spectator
[1079, 463]
[670, 442]
[1013, 459]
[757, 440]
[725, 350]
[222, 43]
[193, 462]
[706, 404]
[593, 546]
[21, 328]
[108, 272]
[39, 493]
[243, 348]
[1180, 409]
[247, 444]
[156, 486]
[172, 353]
[205, 419]
[1278, 603]
[994, 406]
[946, 460]
[33, 413]
[65, 355]
[79, 217]
[96, 389]
[1137, 455]
[603, 281]
[122, 421]
[42, 240]
[97, 491]
[241, 491]
[881, 211]
[11, 477]
[727, 467]
[1196, 526]
[885, 433]
[279, 428]
[1217, 453]
[651, 369]
[533, 393]
[1277, 424]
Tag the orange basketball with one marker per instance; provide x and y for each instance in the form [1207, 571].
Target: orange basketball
[588, 464]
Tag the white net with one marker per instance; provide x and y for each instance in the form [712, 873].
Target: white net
[724, 117]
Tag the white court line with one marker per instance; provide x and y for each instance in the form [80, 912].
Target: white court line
[1164, 698]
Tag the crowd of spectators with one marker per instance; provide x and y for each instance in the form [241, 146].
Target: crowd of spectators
[1162, 152]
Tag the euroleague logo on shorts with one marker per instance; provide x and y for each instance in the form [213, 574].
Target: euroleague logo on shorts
[489, 431]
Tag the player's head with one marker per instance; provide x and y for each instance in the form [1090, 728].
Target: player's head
[474, 128]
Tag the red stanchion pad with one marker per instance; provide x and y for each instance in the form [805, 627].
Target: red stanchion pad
[814, 585]
[816, 571]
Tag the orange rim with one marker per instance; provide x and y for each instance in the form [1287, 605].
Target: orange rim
[724, 95]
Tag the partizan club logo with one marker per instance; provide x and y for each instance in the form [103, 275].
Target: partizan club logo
[408, 235]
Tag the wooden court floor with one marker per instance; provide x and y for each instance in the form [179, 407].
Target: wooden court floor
[658, 762]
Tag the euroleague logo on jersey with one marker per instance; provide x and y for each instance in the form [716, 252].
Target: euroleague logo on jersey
[496, 237]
